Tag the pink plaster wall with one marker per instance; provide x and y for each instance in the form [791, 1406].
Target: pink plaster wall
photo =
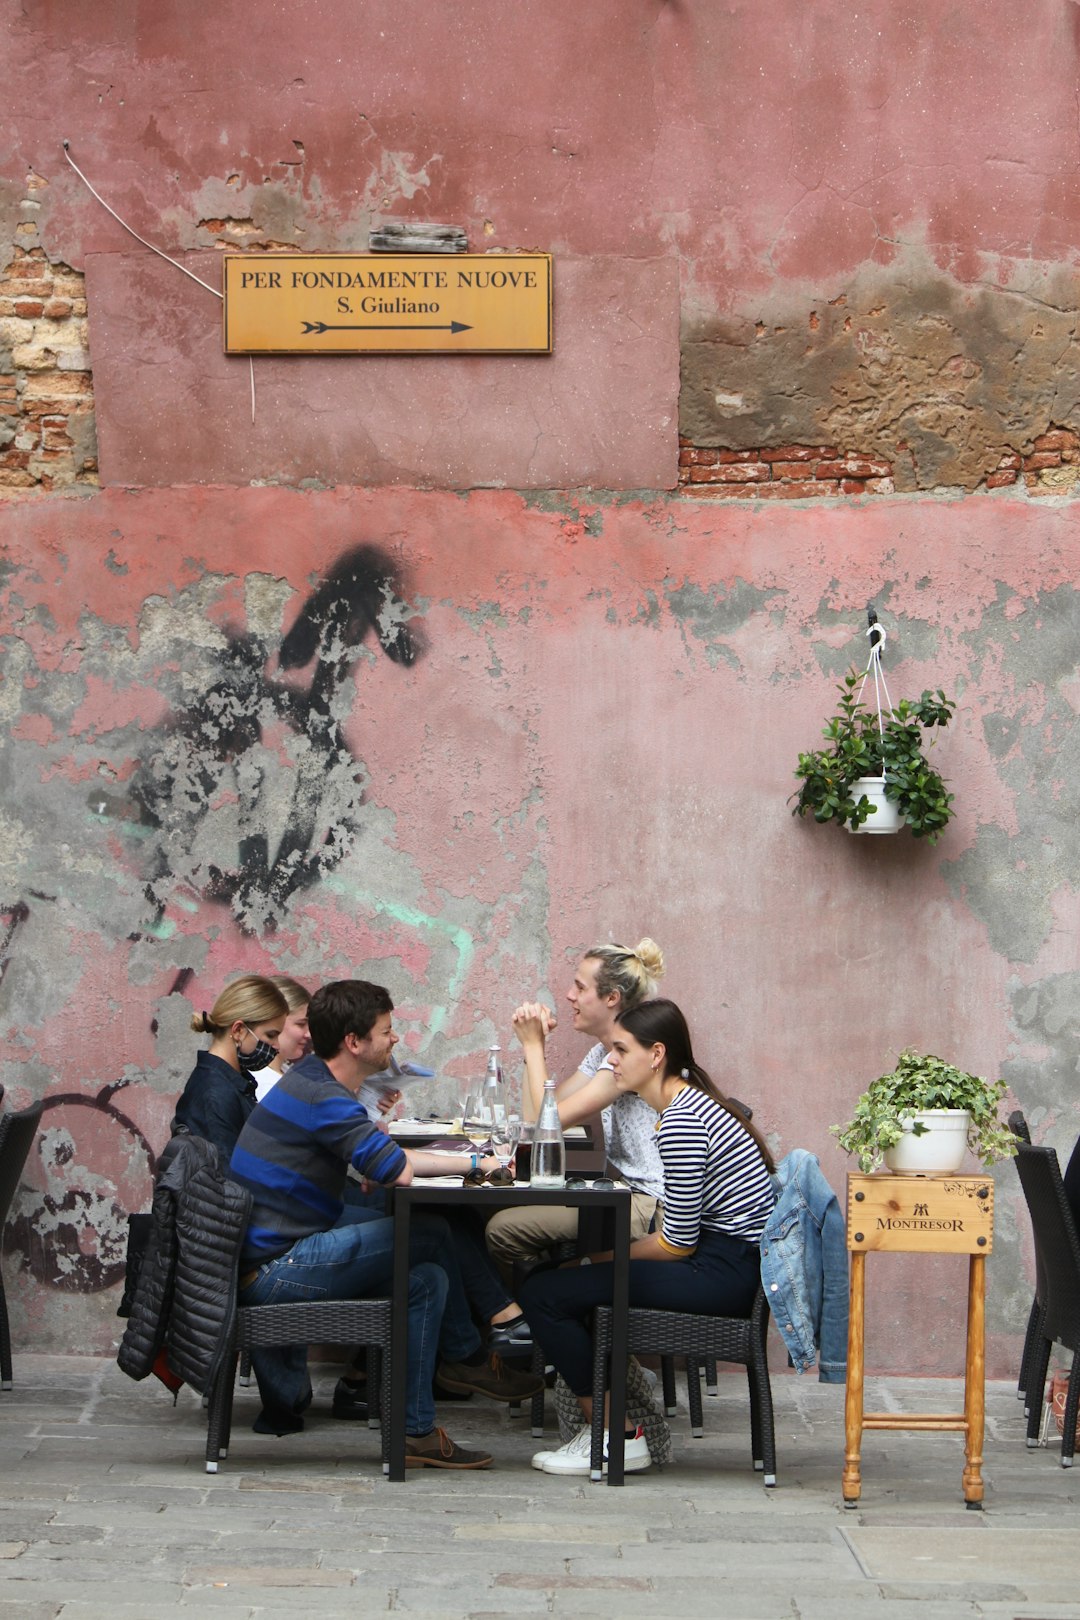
[598, 731]
[598, 739]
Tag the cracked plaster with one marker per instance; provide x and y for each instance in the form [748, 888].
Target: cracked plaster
[902, 362]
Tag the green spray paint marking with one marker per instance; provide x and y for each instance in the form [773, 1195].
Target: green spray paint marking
[459, 938]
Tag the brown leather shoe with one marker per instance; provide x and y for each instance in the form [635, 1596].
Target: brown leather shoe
[490, 1378]
[437, 1450]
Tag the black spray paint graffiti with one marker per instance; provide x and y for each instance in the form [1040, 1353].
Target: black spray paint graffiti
[229, 819]
[72, 1235]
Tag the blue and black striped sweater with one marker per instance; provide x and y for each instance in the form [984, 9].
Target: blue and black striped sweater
[293, 1157]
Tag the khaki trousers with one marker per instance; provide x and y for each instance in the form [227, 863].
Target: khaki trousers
[531, 1233]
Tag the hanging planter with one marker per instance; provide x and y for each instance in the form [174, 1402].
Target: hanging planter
[883, 817]
[873, 776]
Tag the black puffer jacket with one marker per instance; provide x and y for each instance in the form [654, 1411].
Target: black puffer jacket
[186, 1294]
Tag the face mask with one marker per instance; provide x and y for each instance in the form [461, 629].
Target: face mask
[261, 1058]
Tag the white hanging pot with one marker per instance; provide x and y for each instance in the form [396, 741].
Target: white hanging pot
[886, 817]
[939, 1152]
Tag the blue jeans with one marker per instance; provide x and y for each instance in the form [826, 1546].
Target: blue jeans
[719, 1279]
[454, 1241]
[350, 1262]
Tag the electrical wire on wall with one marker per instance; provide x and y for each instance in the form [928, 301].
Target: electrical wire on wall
[160, 253]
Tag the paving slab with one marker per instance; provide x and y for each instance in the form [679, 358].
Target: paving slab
[106, 1513]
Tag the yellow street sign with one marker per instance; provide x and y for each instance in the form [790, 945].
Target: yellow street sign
[388, 303]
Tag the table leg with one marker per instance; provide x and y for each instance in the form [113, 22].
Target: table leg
[975, 1381]
[399, 1334]
[853, 1404]
[620, 1306]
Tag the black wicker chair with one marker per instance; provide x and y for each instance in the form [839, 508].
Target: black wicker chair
[698, 1338]
[330, 1321]
[1058, 1250]
[17, 1132]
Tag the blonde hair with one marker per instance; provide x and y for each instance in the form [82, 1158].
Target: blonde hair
[296, 996]
[251, 999]
[633, 973]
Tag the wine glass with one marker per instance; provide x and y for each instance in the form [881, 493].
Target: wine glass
[470, 1108]
[505, 1136]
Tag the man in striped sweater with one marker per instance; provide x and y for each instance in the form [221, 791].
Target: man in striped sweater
[293, 1157]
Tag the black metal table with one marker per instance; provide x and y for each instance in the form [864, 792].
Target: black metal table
[614, 1201]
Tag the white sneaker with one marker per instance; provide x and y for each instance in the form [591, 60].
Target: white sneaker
[574, 1457]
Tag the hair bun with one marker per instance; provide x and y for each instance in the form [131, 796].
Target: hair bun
[651, 957]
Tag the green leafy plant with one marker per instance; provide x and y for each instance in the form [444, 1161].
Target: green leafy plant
[917, 1083]
[857, 747]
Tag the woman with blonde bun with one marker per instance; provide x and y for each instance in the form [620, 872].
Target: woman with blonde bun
[244, 1025]
[609, 980]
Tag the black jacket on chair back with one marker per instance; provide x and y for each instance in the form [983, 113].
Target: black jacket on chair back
[185, 1299]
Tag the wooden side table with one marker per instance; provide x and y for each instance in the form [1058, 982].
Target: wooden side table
[922, 1215]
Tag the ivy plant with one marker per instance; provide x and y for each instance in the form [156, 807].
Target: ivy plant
[921, 1081]
[856, 746]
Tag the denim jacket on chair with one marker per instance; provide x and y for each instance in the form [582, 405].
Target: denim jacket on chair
[804, 1268]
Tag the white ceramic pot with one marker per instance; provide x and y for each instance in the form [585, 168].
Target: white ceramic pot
[886, 817]
[939, 1152]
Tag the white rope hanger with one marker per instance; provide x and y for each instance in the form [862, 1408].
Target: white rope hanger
[877, 641]
[159, 251]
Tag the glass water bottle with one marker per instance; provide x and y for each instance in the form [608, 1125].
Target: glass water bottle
[547, 1162]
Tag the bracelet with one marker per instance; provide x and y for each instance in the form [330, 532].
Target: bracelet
[475, 1164]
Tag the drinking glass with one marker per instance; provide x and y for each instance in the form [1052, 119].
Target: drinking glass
[470, 1108]
[505, 1137]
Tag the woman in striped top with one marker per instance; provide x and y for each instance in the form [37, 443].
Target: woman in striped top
[717, 1197]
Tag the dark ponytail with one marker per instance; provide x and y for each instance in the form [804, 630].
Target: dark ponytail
[662, 1021]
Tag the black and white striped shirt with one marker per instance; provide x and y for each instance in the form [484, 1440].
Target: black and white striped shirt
[714, 1176]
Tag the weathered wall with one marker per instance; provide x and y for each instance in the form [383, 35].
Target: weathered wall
[301, 694]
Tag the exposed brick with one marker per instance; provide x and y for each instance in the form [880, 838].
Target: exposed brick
[16, 480]
[700, 458]
[28, 309]
[744, 472]
[1000, 480]
[790, 469]
[1042, 458]
[812, 488]
[54, 384]
[800, 452]
[1056, 439]
[1010, 458]
[880, 486]
[854, 467]
[773, 491]
[737, 455]
[29, 270]
[57, 309]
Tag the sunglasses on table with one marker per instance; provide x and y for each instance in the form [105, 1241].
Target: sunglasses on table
[494, 1178]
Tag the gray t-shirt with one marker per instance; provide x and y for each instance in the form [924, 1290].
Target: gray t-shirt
[629, 1132]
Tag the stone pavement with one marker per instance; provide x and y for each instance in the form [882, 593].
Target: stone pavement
[106, 1513]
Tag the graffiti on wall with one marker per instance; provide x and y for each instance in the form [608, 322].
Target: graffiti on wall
[248, 794]
[257, 764]
[70, 1223]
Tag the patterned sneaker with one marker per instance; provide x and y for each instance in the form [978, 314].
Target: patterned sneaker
[437, 1450]
[573, 1458]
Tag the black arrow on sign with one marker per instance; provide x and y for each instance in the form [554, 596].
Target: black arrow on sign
[321, 326]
